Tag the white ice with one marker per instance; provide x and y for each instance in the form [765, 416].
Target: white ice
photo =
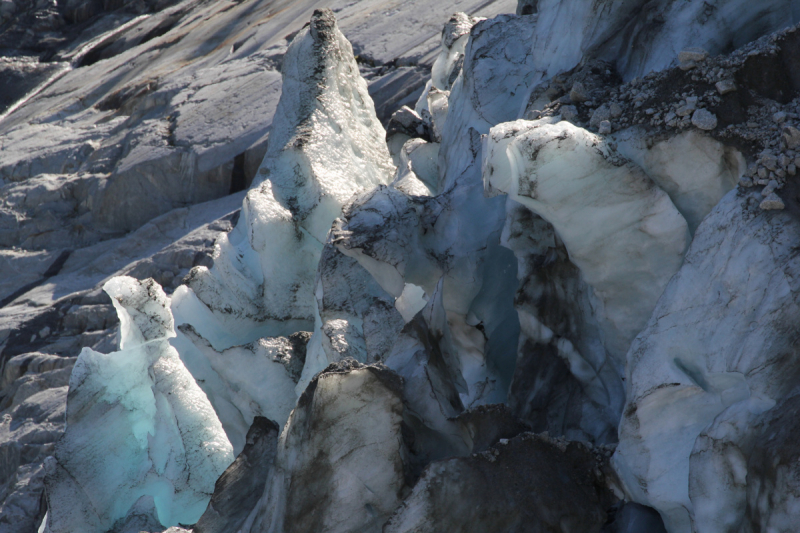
[137, 426]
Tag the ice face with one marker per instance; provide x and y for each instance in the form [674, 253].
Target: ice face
[707, 366]
[695, 170]
[243, 382]
[326, 142]
[447, 66]
[563, 382]
[137, 426]
[621, 230]
[492, 88]
[325, 145]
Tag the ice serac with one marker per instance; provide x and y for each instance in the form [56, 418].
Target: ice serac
[326, 142]
[142, 440]
[340, 460]
[455, 35]
[448, 63]
[408, 242]
[620, 229]
[496, 76]
[528, 483]
[563, 383]
[704, 375]
[244, 382]
[356, 317]
[695, 170]
[325, 145]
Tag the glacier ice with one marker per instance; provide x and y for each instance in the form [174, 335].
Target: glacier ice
[563, 382]
[340, 459]
[394, 238]
[713, 357]
[620, 229]
[418, 168]
[641, 36]
[496, 76]
[455, 35]
[511, 275]
[697, 180]
[247, 381]
[356, 318]
[138, 427]
[325, 145]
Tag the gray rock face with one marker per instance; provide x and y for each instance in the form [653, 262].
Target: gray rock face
[238, 488]
[32, 410]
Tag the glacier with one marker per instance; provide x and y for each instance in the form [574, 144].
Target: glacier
[530, 267]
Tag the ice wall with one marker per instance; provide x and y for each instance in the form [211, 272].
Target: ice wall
[141, 436]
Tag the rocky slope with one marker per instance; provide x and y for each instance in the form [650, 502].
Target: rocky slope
[555, 292]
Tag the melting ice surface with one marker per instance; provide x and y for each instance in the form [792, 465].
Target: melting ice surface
[140, 432]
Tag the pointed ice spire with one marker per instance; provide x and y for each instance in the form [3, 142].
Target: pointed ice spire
[326, 144]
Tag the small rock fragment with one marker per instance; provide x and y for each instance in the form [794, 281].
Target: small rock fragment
[690, 57]
[600, 114]
[615, 110]
[726, 86]
[605, 127]
[686, 110]
[578, 93]
[770, 188]
[779, 117]
[791, 137]
[772, 202]
[569, 113]
[769, 161]
[704, 119]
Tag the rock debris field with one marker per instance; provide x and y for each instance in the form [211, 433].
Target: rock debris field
[394, 266]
